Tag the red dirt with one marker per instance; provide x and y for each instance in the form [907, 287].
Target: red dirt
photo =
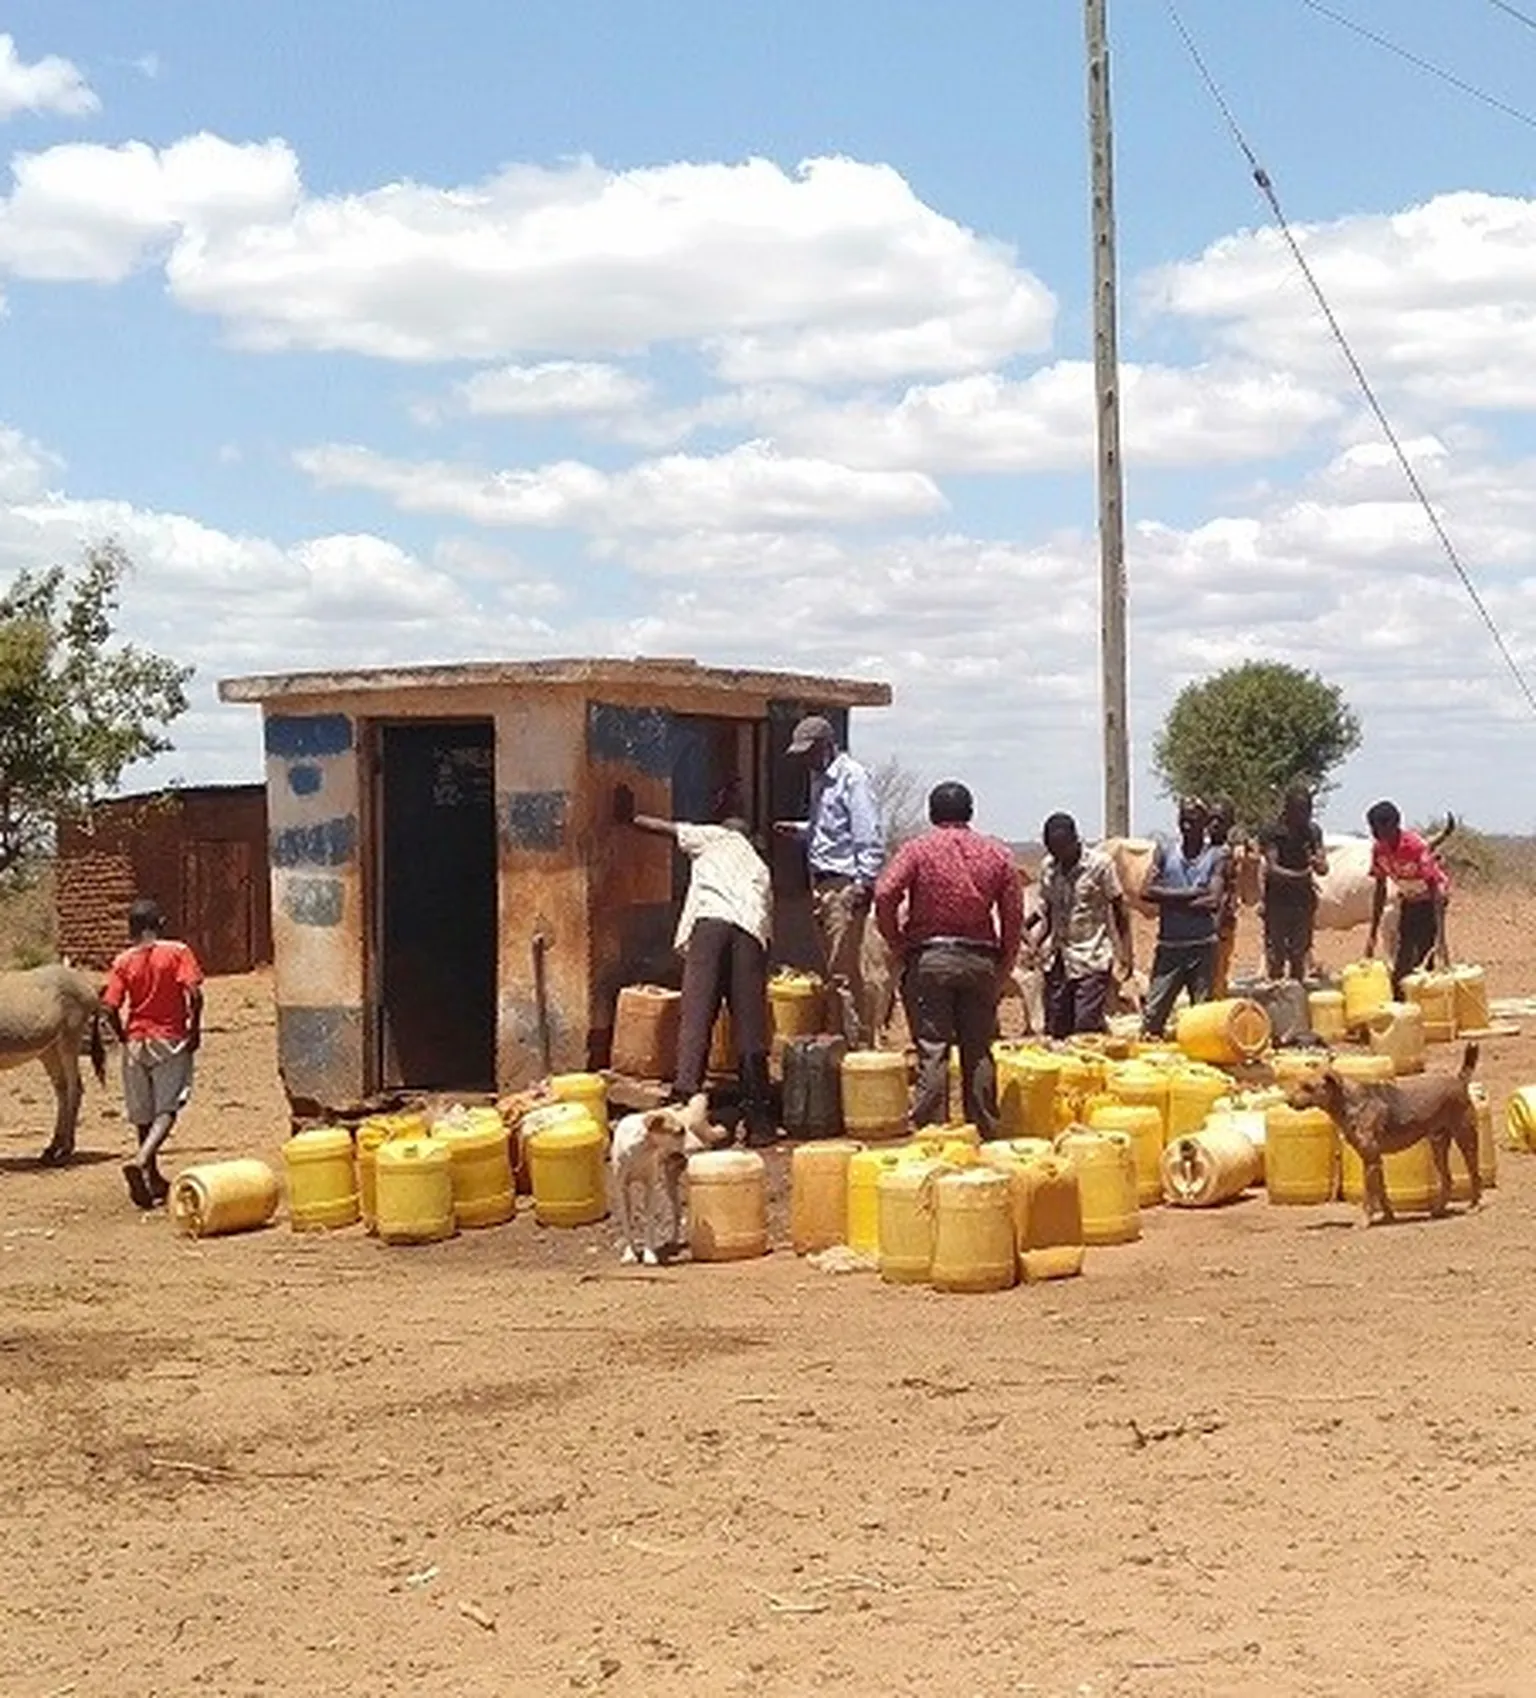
[1258, 1453]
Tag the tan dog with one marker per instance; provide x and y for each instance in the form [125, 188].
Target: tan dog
[1379, 1120]
[649, 1156]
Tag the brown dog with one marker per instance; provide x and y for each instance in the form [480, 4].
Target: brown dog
[1379, 1120]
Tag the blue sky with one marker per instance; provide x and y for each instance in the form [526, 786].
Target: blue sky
[409, 333]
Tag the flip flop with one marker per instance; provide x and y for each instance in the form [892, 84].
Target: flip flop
[138, 1185]
[159, 1187]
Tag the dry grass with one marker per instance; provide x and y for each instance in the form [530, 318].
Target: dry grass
[28, 936]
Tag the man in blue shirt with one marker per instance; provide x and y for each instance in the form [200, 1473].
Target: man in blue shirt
[845, 849]
[1185, 885]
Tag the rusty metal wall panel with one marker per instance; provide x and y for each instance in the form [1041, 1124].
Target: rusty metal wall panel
[216, 904]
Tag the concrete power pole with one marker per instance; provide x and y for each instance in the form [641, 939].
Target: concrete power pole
[1106, 365]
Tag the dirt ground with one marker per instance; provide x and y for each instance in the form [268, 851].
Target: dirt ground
[1260, 1452]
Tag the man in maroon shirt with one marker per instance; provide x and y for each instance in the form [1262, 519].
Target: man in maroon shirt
[957, 939]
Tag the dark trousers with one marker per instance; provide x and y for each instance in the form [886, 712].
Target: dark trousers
[723, 964]
[1288, 930]
[1074, 1005]
[953, 992]
[1417, 934]
[1176, 967]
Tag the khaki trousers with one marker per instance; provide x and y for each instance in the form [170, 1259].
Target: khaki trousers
[841, 921]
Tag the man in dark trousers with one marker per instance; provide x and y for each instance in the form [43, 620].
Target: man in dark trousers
[1084, 930]
[1185, 884]
[950, 908]
[1293, 859]
[154, 1000]
[1423, 889]
[723, 937]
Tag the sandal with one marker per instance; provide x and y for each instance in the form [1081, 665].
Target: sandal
[138, 1185]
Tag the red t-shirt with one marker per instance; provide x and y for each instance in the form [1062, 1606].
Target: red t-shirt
[153, 980]
[1411, 865]
[955, 881]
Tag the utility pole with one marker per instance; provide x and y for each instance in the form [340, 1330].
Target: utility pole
[1106, 368]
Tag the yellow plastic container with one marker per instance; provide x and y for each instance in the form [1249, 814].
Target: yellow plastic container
[219, 1197]
[1138, 1084]
[874, 1094]
[1409, 1176]
[1047, 1219]
[567, 1162]
[1211, 1166]
[1435, 994]
[727, 1206]
[1009, 1153]
[973, 1242]
[1142, 1124]
[1325, 1015]
[1487, 1152]
[1362, 1068]
[414, 1177]
[590, 1090]
[1224, 1033]
[1301, 1155]
[322, 1180]
[1026, 1090]
[1106, 1176]
[481, 1155]
[380, 1129]
[905, 1200]
[1470, 996]
[1520, 1119]
[864, 1170]
[818, 1193]
[1082, 1076]
[1396, 1030]
[645, 1028]
[795, 1004]
[1192, 1092]
[1366, 985]
[1291, 1066]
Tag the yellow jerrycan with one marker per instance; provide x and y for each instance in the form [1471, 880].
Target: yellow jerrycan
[1408, 1175]
[1106, 1176]
[322, 1180]
[1142, 1124]
[727, 1206]
[818, 1193]
[480, 1163]
[1396, 1029]
[973, 1242]
[590, 1090]
[905, 1197]
[1435, 994]
[1047, 1219]
[567, 1161]
[1364, 1069]
[874, 1093]
[1366, 986]
[1209, 1167]
[1469, 987]
[1301, 1155]
[864, 1170]
[1224, 1033]
[1193, 1091]
[795, 1004]
[1139, 1084]
[218, 1197]
[1026, 1089]
[1520, 1119]
[414, 1177]
[1325, 1015]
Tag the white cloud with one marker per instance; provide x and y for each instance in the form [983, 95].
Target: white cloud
[1046, 421]
[836, 270]
[50, 84]
[26, 467]
[554, 389]
[749, 486]
[1439, 299]
[95, 214]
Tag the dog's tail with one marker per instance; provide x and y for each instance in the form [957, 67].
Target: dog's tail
[1468, 1063]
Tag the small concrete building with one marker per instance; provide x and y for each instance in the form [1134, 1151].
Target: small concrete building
[199, 851]
[453, 908]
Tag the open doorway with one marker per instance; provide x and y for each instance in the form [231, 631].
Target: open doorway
[435, 905]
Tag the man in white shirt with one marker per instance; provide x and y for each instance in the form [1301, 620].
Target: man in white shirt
[723, 936]
[845, 849]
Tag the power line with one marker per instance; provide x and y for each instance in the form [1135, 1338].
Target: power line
[1267, 188]
[1428, 65]
[1514, 12]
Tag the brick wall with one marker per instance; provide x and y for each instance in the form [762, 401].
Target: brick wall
[141, 846]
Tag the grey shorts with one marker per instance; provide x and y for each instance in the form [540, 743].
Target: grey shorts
[157, 1078]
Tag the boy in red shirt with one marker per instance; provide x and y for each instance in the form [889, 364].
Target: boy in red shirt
[154, 1000]
[1422, 891]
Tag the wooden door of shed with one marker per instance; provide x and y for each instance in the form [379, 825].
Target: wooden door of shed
[217, 917]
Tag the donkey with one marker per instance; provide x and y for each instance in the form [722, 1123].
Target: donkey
[45, 1015]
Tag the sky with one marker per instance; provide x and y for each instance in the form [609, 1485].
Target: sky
[760, 333]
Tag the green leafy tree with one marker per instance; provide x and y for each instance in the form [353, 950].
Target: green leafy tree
[1251, 731]
[75, 711]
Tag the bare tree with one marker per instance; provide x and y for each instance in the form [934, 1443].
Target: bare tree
[902, 798]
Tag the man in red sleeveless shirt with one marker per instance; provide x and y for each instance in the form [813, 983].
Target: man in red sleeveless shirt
[154, 999]
[950, 908]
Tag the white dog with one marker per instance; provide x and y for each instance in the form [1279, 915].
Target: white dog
[649, 1156]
